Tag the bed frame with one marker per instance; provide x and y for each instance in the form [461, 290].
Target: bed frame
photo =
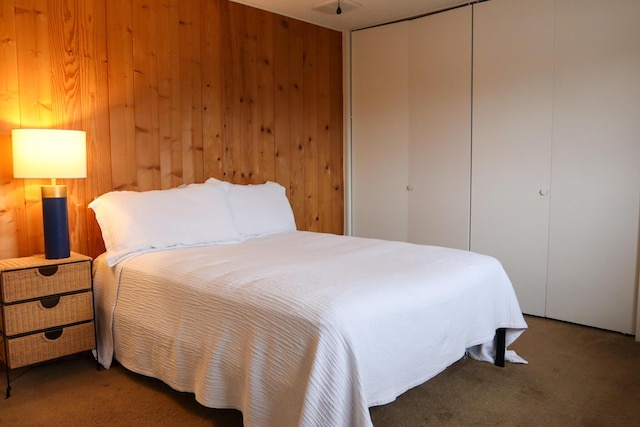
[501, 334]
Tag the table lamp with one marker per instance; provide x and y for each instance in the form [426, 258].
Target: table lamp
[51, 153]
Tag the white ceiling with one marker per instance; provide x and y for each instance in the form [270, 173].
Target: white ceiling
[369, 13]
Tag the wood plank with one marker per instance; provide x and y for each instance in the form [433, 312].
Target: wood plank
[34, 68]
[247, 43]
[231, 93]
[169, 124]
[95, 100]
[33, 63]
[337, 135]
[265, 140]
[145, 90]
[323, 88]
[190, 94]
[310, 128]
[212, 97]
[63, 36]
[121, 95]
[282, 152]
[66, 102]
[12, 218]
[296, 122]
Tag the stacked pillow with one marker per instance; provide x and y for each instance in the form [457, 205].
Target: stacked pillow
[216, 212]
[259, 209]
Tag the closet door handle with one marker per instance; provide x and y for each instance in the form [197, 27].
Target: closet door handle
[543, 192]
[409, 187]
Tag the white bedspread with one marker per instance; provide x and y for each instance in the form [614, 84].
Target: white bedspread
[300, 328]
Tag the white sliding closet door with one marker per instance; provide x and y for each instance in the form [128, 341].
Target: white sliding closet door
[440, 128]
[380, 127]
[593, 247]
[512, 133]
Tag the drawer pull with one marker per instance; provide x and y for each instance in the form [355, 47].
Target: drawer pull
[48, 270]
[53, 335]
[50, 302]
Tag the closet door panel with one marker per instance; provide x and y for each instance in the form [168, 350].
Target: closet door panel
[511, 140]
[440, 128]
[380, 123]
[593, 247]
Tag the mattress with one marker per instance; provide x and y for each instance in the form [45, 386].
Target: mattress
[301, 328]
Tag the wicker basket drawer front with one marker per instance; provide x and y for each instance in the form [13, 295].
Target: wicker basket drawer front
[43, 346]
[18, 285]
[48, 313]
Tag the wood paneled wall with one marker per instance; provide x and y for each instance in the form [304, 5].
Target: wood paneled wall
[170, 92]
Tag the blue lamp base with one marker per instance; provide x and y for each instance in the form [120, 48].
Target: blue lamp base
[56, 222]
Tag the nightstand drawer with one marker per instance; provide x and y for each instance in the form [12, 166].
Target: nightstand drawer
[28, 283]
[49, 345]
[48, 313]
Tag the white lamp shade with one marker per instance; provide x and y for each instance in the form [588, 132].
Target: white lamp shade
[49, 153]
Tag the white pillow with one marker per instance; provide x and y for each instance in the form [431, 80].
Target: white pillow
[259, 209]
[135, 221]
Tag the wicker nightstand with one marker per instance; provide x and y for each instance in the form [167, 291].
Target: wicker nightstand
[46, 309]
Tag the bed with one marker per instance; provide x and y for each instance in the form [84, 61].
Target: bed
[292, 328]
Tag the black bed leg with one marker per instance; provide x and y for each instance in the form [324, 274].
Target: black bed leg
[8, 382]
[500, 346]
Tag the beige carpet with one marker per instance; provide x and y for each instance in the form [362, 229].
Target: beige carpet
[577, 376]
